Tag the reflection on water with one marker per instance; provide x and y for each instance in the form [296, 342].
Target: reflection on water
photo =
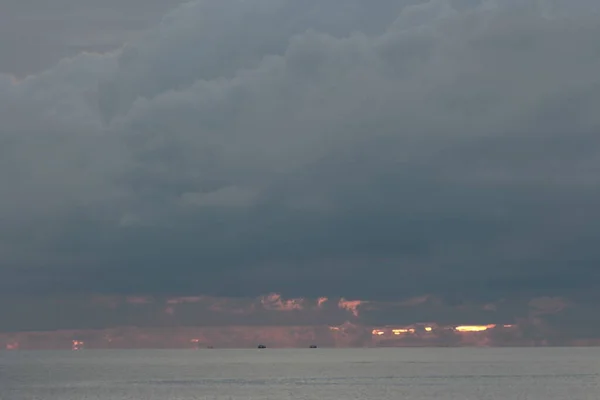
[321, 374]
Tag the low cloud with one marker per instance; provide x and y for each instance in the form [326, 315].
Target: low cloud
[109, 322]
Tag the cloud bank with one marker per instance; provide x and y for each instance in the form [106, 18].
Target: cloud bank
[316, 148]
[202, 321]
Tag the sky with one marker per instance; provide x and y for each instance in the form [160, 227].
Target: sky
[433, 160]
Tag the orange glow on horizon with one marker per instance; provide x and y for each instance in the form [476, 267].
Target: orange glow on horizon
[474, 328]
[402, 331]
[345, 335]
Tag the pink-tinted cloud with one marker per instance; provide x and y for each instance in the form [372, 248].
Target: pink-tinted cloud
[351, 305]
[274, 301]
[183, 300]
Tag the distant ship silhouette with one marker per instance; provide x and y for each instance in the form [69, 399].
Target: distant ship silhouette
[313, 346]
[262, 346]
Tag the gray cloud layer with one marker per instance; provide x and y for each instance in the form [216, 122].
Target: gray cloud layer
[376, 151]
[35, 34]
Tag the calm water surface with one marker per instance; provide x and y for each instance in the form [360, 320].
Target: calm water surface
[315, 374]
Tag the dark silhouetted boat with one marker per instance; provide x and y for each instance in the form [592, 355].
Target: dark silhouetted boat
[313, 346]
[262, 346]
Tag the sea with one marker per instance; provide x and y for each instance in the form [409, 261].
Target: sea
[307, 374]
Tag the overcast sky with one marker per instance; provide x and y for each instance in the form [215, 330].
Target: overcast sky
[368, 150]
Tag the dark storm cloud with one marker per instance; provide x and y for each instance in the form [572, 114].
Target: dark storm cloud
[313, 148]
